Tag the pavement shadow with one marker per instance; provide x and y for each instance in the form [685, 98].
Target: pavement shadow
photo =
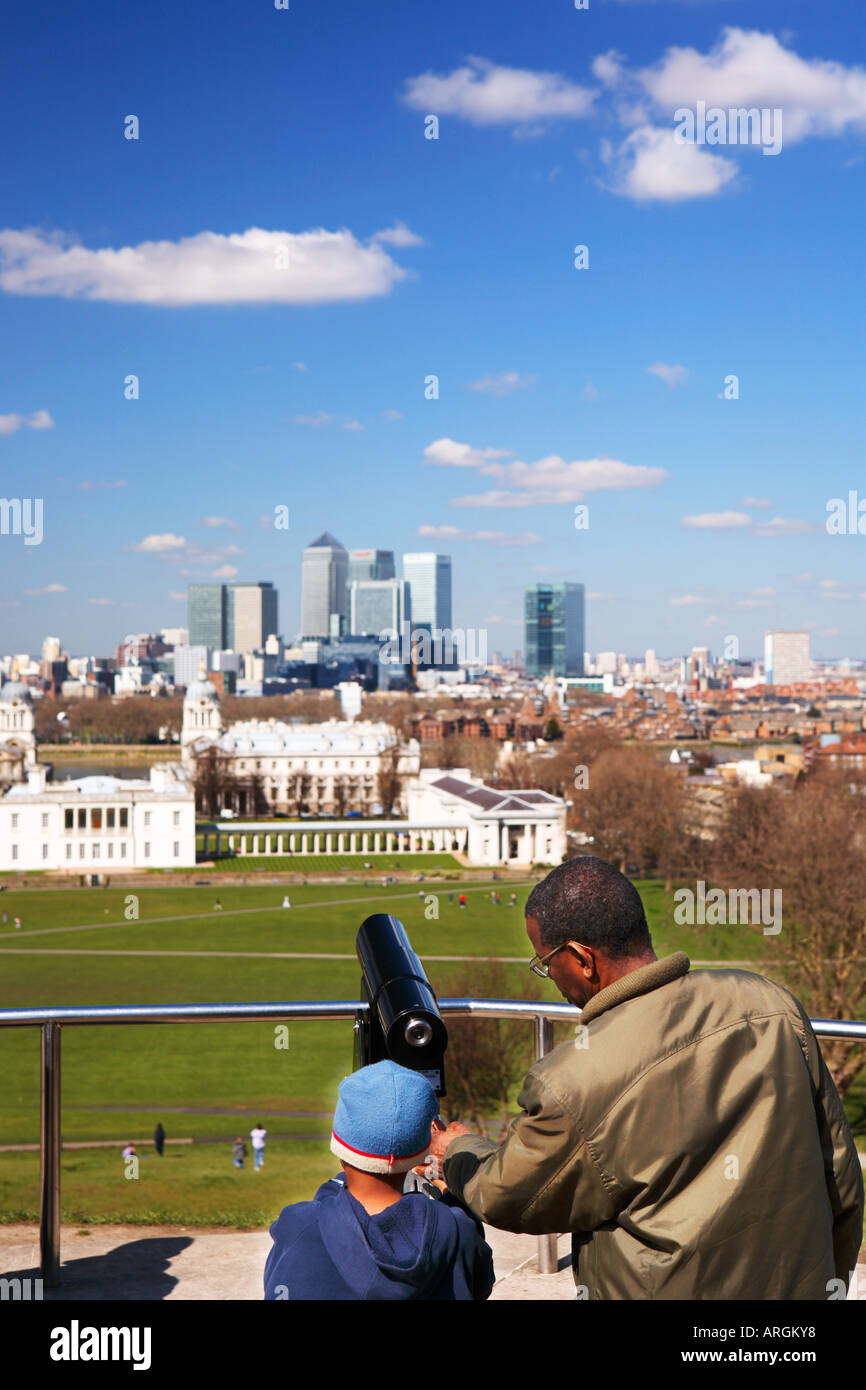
[137, 1270]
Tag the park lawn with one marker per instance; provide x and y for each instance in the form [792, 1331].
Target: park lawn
[191, 1185]
[126, 1074]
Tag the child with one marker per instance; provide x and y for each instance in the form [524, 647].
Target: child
[362, 1237]
[239, 1152]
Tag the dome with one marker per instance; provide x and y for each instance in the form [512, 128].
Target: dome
[15, 690]
[200, 690]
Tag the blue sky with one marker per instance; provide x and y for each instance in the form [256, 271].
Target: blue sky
[287, 366]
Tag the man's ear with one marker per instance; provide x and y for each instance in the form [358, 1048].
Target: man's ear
[585, 956]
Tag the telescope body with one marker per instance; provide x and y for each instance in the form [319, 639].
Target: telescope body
[404, 1022]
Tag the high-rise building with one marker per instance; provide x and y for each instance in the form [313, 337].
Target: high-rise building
[429, 579]
[378, 604]
[323, 585]
[51, 649]
[650, 664]
[189, 662]
[554, 618]
[786, 657]
[370, 564]
[206, 615]
[251, 615]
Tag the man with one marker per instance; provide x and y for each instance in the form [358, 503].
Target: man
[689, 1136]
[159, 1138]
[257, 1134]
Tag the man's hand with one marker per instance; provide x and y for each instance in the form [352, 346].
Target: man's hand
[440, 1137]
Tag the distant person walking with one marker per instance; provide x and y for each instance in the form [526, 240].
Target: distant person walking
[159, 1138]
[239, 1152]
[258, 1137]
[462, 899]
[129, 1151]
[286, 902]
[217, 907]
[5, 918]
[17, 923]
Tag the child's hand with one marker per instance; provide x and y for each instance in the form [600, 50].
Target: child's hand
[440, 1137]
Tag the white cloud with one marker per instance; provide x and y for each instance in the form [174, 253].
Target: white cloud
[391, 415]
[225, 572]
[214, 521]
[179, 595]
[765, 590]
[39, 420]
[103, 602]
[756, 501]
[780, 526]
[300, 366]
[829, 583]
[502, 384]
[685, 600]
[753, 603]
[447, 453]
[159, 544]
[670, 374]
[98, 485]
[596, 596]
[255, 266]
[48, 589]
[455, 533]
[398, 235]
[650, 165]
[321, 420]
[746, 68]
[547, 480]
[717, 521]
[486, 94]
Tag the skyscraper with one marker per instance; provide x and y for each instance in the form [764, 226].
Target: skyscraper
[370, 564]
[429, 578]
[554, 617]
[786, 657]
[251, 615]
[323, 585]
[376, 605]
[206, 615]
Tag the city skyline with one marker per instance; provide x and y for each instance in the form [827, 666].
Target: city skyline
[164, 430]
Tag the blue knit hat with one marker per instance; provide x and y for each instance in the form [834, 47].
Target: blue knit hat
[383, 1118]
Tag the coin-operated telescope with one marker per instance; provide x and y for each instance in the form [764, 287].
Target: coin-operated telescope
[403, 1022]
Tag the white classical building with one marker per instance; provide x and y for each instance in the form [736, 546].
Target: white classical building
[492, 825]
[333, 765]
[449, 812]
[99, 824]
[17, 732]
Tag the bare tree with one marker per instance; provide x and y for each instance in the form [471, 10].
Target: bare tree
[811, 844]
[298, 792]
[389, 782]
[486, 1058]
[214, 781]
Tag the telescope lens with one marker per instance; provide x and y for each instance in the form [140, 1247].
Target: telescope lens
[418, 1032]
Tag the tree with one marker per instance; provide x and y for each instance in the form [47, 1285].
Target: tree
[298, 791]
[552, 730]
[809, 844]
[341, 796]
[632, 807]
[389, 782]
[214, 782]
[486, 1057]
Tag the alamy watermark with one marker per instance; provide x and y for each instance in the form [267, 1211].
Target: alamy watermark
[22, 516]
[433, 647]
[739, 906]
[738, 125]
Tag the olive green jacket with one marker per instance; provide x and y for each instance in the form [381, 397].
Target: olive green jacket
[691, 1139]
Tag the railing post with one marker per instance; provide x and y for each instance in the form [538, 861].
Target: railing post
[548, 1260]
[49, 1225]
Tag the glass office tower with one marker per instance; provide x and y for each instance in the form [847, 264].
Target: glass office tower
[207, 612]
[554, 621]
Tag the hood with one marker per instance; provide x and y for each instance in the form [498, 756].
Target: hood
[402, 1252]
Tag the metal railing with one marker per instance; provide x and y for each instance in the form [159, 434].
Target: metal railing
[52, 1020]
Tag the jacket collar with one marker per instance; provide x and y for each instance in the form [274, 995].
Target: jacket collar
[641, 981]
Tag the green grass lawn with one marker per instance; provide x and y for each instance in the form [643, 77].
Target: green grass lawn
[117, 1082]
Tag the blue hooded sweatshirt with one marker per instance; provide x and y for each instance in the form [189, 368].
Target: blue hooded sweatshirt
[418, 1248]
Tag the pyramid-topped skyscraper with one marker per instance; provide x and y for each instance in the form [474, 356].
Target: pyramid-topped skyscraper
[324, 574]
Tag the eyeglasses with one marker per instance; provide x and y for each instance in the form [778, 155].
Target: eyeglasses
[539, 965]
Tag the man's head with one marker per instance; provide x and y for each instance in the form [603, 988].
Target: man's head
[592, 917]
